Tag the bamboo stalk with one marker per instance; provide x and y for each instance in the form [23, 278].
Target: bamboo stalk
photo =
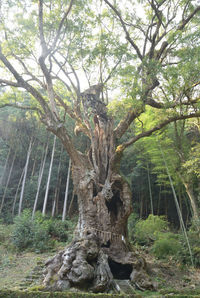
[41, 172]
[25, 175]
[150, 192]
[177, 207]
[16, 194]
[57, 184]
[49, 178]
[7, 182]
[66, 192]
[5, 166]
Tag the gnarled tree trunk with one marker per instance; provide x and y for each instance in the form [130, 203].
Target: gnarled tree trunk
[100, 251]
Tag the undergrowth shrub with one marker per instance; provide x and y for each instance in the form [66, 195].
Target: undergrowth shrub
[166, 244]
[146, 230]
[5, 232]
[28, 233]
[39, 234]
[58, 229]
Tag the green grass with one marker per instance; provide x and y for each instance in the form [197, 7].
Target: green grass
[17, 270]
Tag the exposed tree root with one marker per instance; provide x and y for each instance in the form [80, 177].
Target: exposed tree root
[87, 266]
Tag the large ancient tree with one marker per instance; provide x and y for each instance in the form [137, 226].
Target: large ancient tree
[47, 51]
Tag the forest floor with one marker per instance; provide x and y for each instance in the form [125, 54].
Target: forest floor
[21, 271]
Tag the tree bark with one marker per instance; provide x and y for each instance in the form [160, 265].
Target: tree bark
[100, 251]
[193, 201]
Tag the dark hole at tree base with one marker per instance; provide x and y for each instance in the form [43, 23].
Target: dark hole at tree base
[120, 271]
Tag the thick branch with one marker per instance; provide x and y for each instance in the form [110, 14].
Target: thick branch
[156, 38]
[21, 107]
[159, 105]
[61, 25]
[50, 89]
[9, 83]
[22, 83]
[180, 27]
[186, 21]
[45, 50]
[67, 109]
[77, 157]
[58, 130]
[126, 122]
[158, 127]
[45, 53]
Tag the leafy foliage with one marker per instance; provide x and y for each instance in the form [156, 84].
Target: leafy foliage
[166, 244]
[38, 234]
[147, 230]
[58, 229]
[30, 233]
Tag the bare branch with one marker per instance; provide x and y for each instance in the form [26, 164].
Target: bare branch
[9, 83]
[160, 105]
[67, 75]
[112, 71]
[165, 44]
[21, 107]
[76, 77]
[22, 83]
[28, 72]
[157, 12]
[125, 30]
[41, 30]
[185, 8]
[61, 25]
[147, 38]
[186, 21]
[158, 127]
[67, 109]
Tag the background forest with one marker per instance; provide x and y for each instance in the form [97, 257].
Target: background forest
[163, 171]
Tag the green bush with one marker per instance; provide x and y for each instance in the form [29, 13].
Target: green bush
[28, 233]
[167, 244]
[5, 232]
[146, 230]
[40, 233]
[58, 229]
[22, 236]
